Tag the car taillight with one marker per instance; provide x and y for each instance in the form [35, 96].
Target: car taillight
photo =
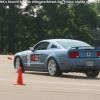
[73, 54]
[98, 54]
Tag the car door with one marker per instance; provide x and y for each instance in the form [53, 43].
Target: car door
[37, 56]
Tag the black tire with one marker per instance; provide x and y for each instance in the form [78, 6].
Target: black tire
[18, 63]
[53, 68]
[92, 73]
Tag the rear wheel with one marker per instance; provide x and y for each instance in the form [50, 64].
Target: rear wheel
[53, 68]
[92, 73]
[18, 63]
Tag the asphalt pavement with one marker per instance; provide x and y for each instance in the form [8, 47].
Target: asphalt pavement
[42, 86]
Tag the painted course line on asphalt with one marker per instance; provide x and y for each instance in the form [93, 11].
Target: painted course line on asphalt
[81, 84]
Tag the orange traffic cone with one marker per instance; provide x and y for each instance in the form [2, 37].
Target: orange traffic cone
[10, 58]
[19, 79]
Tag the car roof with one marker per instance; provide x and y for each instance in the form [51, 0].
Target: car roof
[54, 40]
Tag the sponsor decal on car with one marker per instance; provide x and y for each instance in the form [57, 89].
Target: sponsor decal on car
[28, 58]
[35, 58]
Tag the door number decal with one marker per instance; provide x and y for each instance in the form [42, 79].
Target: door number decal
[35, 57]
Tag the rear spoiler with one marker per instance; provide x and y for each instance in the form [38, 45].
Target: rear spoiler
[88, 47]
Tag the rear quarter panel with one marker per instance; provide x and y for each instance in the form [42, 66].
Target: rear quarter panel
[60, 56]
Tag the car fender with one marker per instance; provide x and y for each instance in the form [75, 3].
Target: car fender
[21, 55]
[18, 55]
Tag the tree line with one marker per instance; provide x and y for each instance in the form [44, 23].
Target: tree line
[21, 28]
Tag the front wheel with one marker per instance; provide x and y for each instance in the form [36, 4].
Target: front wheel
[92, 73]
[18, 63]
[53, 68]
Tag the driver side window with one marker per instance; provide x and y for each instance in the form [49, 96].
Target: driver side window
[41, 46]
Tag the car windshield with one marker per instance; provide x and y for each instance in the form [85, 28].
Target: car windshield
[68, 44]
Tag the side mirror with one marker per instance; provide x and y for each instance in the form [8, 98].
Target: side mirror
[31, 48]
